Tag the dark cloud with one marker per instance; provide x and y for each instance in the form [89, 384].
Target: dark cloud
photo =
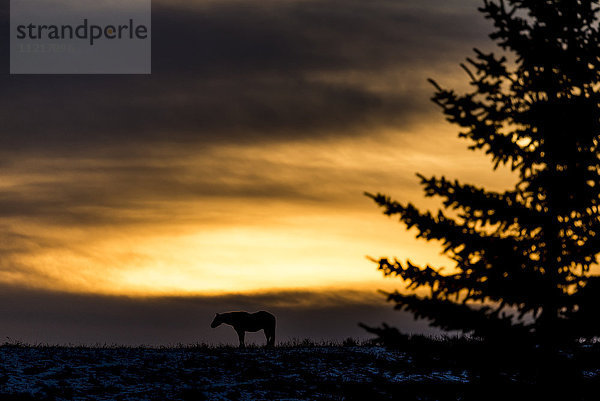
[246, 38]
[241, 71]
[39, 316]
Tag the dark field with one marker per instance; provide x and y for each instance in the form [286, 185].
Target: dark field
[302, 371]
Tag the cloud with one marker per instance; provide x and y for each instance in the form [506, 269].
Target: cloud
[253, 110]
[242, 72]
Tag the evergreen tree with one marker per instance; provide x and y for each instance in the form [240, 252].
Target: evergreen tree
[523, 256]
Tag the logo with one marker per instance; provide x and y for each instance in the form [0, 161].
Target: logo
[80, 37]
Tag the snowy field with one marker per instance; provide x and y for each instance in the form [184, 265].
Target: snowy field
[289, 372]
[205, 373]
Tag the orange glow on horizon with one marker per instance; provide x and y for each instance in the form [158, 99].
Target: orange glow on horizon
[318, 236]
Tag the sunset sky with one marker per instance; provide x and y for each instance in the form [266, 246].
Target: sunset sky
[233, 176]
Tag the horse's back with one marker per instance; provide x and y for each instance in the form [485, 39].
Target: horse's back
[250, 321]
[264, 315]
[238, 314]
[258, 321]
[260, 315]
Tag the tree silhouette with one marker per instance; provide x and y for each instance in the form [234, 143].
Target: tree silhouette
[523, 256]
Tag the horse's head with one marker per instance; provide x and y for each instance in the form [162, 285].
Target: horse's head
[216, 321]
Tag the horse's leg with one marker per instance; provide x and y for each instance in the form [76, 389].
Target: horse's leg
[241, 334]
[273, 333]
[270, 334]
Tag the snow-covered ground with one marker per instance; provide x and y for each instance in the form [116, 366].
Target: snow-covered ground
[205, 373]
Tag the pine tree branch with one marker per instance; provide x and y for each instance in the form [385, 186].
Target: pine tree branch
[485, 207]
[453, 235]
[511, 288]
[449, 316]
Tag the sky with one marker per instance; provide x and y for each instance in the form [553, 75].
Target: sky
[132, 208]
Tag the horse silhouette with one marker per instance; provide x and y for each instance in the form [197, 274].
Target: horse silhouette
[244, 321]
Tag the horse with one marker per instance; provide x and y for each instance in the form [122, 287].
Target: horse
[244, 321]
